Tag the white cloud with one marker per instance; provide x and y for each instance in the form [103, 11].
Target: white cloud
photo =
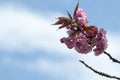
[25, 30]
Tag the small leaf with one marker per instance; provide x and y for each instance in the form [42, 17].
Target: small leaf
[61, 20]
[69, 15]
[64, 18]
[76, 8]
[65, 24]
[58, 22]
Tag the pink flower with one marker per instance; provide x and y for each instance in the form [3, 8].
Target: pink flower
[68, 41]
[81, 16]
[91, 31]
[100, 42]
[101, 34]
[100, 47]
[82, 46]
[81, 27]
[70, 32]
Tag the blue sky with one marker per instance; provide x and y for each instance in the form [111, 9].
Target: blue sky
[30, 48]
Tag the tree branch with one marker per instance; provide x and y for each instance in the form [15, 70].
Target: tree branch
[98, 72]
[111, 58]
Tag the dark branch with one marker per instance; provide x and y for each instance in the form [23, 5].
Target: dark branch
[98, 72]
[111, 58]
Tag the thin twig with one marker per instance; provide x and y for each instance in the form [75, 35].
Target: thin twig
[111, 58]
[98, 72]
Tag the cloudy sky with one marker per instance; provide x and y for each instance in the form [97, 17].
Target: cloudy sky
[30, 48]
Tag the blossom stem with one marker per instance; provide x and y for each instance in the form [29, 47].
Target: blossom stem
[111, 58]
[98, 72]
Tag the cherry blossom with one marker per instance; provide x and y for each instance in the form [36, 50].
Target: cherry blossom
[82, 37]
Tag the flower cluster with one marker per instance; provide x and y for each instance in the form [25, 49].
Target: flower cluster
[82, 37]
